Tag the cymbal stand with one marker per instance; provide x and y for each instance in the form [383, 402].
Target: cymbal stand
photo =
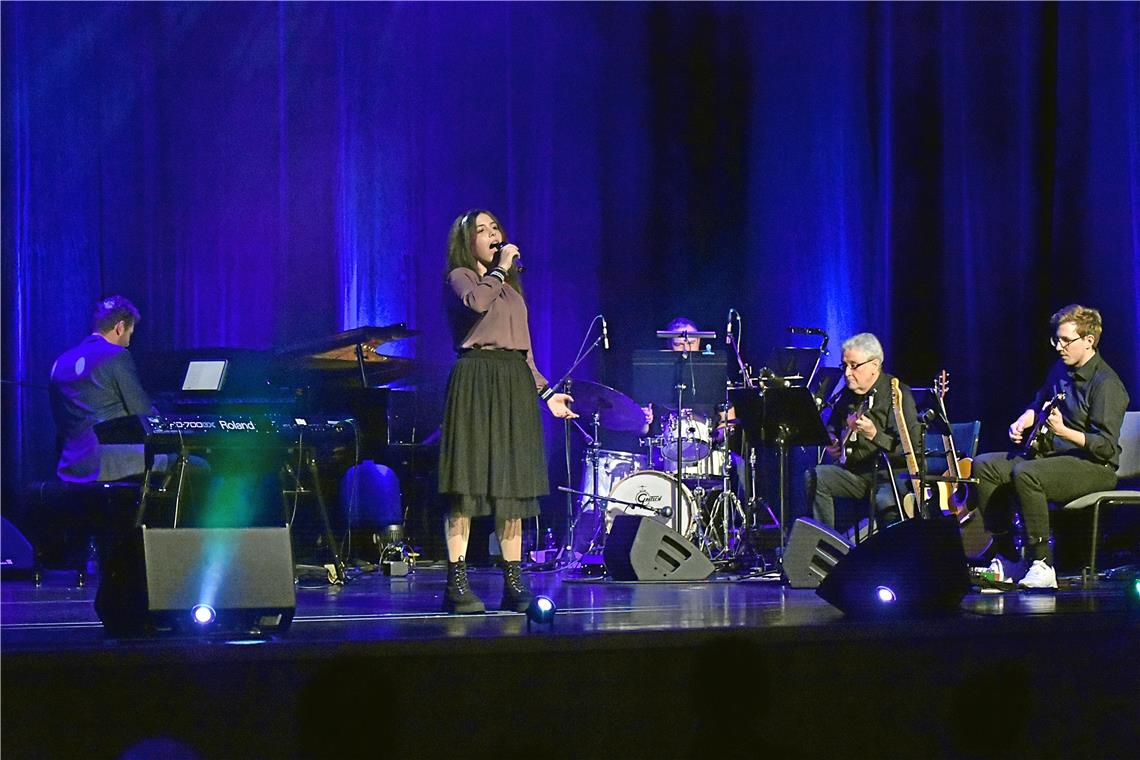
[680, 387]
[600, 522]
[728, 500]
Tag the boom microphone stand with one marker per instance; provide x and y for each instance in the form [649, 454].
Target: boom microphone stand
[583, 352]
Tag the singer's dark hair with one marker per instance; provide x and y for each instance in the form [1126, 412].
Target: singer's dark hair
[461, 238]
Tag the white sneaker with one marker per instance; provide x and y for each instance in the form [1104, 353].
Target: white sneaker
[1040, 576]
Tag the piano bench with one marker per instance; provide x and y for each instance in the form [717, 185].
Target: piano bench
[65, 521]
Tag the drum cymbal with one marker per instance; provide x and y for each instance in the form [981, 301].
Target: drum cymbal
[616, 411]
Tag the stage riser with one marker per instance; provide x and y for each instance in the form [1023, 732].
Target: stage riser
[882, 691]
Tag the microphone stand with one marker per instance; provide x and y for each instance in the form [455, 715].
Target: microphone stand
[570, 522]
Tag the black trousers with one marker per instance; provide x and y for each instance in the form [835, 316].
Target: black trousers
[826, 482]
[1034, 483]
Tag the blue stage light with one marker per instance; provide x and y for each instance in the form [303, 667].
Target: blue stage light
[885, 594]
[541, 611]
[203, 614]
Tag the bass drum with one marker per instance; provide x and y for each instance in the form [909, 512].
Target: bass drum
[654, 489]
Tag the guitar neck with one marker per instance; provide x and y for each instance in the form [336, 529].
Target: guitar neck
[1029, 443]
[904, 434]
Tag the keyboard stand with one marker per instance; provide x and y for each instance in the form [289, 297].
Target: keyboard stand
[308, 461]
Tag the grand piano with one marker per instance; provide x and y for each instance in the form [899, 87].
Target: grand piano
[346, 374]
[333, 394]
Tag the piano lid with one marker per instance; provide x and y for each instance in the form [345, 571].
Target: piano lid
[341, 347]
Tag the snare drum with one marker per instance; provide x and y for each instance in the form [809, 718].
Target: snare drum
[612, 467]
[655, 489]
[709, 468]
[695, 442]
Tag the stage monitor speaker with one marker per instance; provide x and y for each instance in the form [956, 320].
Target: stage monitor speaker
[16, 553]
[199, 581]
[812, 551]
[912, 567]
[643, 549]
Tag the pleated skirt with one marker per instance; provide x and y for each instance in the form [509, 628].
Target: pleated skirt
[491, 456]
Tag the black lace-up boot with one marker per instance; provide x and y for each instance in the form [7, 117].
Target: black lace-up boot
[459, 597]
[516, 595]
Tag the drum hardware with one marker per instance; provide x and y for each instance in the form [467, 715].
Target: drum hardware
[565, 383]
[607, 409]
[665, 511]
[719, 535]
[681, 387]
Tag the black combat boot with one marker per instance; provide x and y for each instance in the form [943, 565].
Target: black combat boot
[459, 597]
[516, 595]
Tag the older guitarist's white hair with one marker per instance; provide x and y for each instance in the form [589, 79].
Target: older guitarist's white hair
[867, 343]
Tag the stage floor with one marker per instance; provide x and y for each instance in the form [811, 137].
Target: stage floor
[732, 665]
[376, 607]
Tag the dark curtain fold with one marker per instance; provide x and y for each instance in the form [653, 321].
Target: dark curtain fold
[257, 174]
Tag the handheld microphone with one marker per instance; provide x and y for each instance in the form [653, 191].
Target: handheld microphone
[665, 512]
[605, 333]
[807, 331]
[728, 329]
[518, 259]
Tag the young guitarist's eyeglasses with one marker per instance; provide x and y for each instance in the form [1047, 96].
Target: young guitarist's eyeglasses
[1059, 342]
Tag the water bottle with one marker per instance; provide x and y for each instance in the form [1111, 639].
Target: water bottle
[550, 542]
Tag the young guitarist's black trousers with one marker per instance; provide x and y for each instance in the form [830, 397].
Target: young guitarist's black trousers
[1034, 482]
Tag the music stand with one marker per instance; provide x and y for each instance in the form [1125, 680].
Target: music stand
[783, 417]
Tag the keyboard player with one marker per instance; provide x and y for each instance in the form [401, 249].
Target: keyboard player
[97, 381]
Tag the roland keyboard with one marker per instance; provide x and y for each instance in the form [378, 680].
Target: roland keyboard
[169, 432]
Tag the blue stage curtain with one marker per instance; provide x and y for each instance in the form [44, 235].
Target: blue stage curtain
[945, 175]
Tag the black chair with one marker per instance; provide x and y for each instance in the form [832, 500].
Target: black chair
[1128, 496]
[965, 435]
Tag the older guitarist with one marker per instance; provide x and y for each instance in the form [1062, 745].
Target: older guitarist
[862, 427]
[1074, 422]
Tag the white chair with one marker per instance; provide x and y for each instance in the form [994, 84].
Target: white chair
[1128, 474]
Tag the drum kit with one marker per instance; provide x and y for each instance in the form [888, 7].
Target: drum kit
[702, 504]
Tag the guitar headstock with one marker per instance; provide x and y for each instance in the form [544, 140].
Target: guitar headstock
[896, 393]
[942, 384]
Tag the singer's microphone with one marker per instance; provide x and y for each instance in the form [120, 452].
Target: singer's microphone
[807, 331]
[518, 259]
[605, 333]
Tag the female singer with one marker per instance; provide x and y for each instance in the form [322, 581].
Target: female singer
[491, 458]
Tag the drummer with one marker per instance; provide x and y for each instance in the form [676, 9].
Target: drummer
[692, 344]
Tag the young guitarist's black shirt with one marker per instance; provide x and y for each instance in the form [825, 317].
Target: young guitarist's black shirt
[1095, 402]
[861, 451]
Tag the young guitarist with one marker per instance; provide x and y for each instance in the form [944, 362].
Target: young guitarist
[862, 428]
[1080, 408]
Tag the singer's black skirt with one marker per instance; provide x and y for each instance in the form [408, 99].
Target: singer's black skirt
[491, 455]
